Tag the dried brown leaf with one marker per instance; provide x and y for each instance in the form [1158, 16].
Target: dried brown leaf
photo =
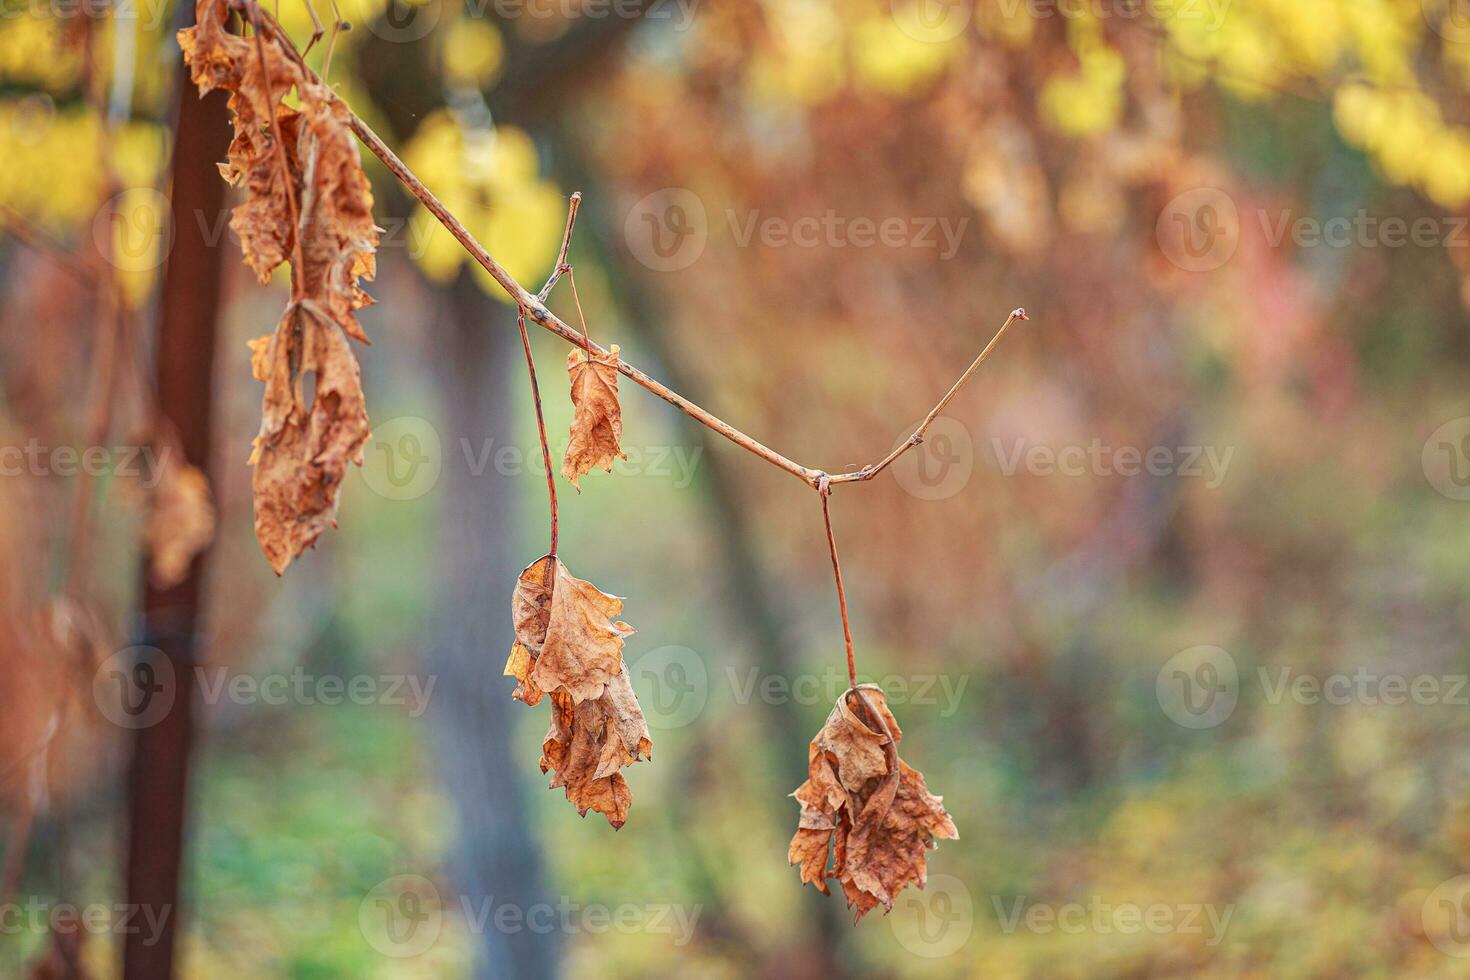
[568, 645]
[302, 451]
[861, 799]
[597, 422]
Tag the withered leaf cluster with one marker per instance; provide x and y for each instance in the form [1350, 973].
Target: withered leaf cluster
[568, 645]
[864, 804]
[307, 201]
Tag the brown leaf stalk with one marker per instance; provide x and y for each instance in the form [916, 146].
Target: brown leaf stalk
[540, 428]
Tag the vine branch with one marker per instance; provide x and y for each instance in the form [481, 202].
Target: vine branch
[534, 307]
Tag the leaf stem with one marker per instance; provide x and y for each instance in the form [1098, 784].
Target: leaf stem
[824, 490]
[540, 428]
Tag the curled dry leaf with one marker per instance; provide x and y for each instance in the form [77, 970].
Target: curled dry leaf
[861, 800]
[597, 421]
[302, 164]
[302, 451]
[589, 742]
[181, 519]
[569, 646]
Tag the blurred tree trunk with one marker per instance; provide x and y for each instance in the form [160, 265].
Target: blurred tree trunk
[188, 309]
[498, 862]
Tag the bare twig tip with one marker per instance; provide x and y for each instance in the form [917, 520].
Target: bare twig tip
[1020, 313]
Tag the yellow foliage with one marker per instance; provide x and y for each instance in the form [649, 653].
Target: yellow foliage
[491, 181]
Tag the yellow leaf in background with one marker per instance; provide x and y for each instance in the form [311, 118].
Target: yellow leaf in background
[473, 53]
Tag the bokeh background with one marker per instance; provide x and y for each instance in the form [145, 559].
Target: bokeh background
[1171, 605]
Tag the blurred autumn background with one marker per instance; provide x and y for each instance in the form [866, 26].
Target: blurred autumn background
[1171, 604]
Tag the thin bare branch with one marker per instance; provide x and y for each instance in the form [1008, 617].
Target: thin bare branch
[873, 469]
[566, 244]
[535, 308]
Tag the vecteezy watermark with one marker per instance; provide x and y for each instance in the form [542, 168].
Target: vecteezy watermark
[1199, 687]
[1199, 230]
[148, 13]
[407, 21]
[1208, 463]
[403, 917]
[134, 229]
[1098, 917]
[1445, 916]
[404, 459]
[838, 231]
[136, 688]
[674, 685]
[1450, 19]
[1362, 686]
[1362, 230]
[97, 919]
[825, 686]
[395, 232]
[667, 230]
[677, 464]
[1446, 459]
[143, 463]
[936, 921]
[941, 465]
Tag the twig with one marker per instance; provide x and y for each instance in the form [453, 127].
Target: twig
[540, 427]
[566, 244]
[873, 469]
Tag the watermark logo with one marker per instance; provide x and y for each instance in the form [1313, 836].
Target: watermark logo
[936, 921]
[1098, 917]
[1199, 230]
[1209, 463]
[135, 688]
[667, 230]
[672, 684]
[134, 229]
[1199, 687]
[1445, 917]
[402, 917]
[933, 21]
[406, 21]
[403, 459]
[1450, 19]
[941, 465]
[1446, 459]
[95, 918]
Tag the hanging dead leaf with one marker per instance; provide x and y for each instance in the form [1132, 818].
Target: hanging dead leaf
[566, 627]
[863, 801]
[306, 198]
[597, 422]
[588, 743]
[568, 645]
[181, 517]
[302, 451]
